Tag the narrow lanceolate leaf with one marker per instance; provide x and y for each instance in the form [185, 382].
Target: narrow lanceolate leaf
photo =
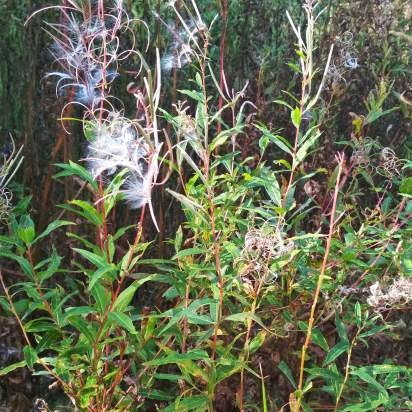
[369, 405]
[97, 260]
[189, 252]
[304, 148]
[296, 117]
[341, 328]
[195, 354]
[366, 377]
[124, 299]
[30, 356]
[100, 273]
[23, 262]
[358, 314]
[101, 297]
[88, 212]
[52, 227]
[124, 321]
[196, 403]
[12, 367]
[190, 204]
[283, 366]
[78, 311]
[219, 139]
[242, 317]
[336, 351]
[75, 169]
[83, 327]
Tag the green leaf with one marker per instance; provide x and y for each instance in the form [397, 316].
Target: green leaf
[101, 296]
[304, 148]
[319, 339]
[386, 368]
[263, 144]
[196, 403]
[88, 212]
[83, 327]
[406, 261]
[52, 227]
[273, 190]
[190, 204]
[317, 336]
[53, 267]
[283, 103]
[276, 139]
[193, 165]
[365, 376]
[283, 366]
[369, 405]
[375, 114]
[328, 374]
[13, 367]
[374, 331]
[124, 299]
[169, 377]
[39, 325]
[244, 316]
[77, 311]
[124, 321]
[97, 260]
[220, 139]
[189, 252]
[98, 274]
[193, 94]
[296, 117]
[156, 394]
[358, 314]
[30, 356]
[178, 239]
[25, 230]
[341, 328]
[178, 358]
[336, 351]
[75, 169]
[405, 187]
[257, 341]
[269, 182]
[23, 263]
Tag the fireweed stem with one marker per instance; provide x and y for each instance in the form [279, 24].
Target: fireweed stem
[341, 160]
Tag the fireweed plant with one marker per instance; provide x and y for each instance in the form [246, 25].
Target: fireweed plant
[10, 161]
[248, 287]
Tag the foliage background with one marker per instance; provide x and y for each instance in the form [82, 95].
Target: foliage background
[258, 47]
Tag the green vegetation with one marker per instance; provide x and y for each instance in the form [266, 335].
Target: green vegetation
[234, 227]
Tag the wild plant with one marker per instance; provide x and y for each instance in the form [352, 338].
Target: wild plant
[249, 287]
[82, 346]
[10, 161]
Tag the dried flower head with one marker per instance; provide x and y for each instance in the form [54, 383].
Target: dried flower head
[400, 292]
[117, 145]
[5, 202]
[346, 59]
[261, 249]
[86, 49]
[363, 150]
[10, 161]
[185, 38]
[390, 164]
